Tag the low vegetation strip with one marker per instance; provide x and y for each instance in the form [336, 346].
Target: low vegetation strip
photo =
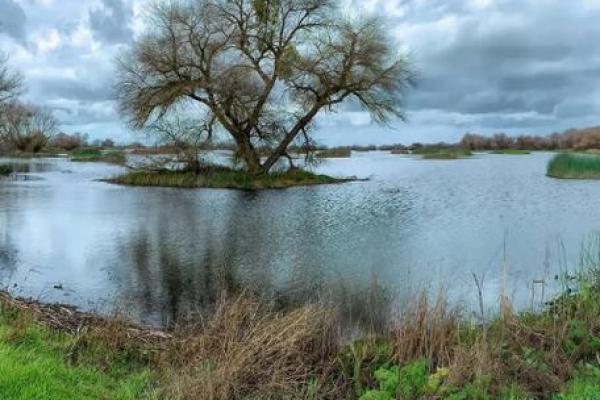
[512, 152]
[441, 153]
[575, 166]
[220, 177]
[92, 154]
[341, 152]
[244, 350]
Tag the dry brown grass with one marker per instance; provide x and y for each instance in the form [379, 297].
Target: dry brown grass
[244, 348]
[537, 352]
[426, 331]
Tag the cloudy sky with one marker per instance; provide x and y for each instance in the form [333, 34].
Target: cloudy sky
[519, 66]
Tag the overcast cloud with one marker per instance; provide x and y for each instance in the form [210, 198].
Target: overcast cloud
[520, 66]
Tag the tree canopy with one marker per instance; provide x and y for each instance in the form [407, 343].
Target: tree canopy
[260, 69]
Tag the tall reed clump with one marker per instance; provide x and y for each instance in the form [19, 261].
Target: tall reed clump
[246, 349]
[427, 331]
[574, 166]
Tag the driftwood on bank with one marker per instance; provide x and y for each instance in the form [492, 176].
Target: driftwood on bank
[69, 319]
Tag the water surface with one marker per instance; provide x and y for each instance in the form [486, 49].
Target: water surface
[415, 222]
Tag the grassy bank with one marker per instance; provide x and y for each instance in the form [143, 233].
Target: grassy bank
[5, 170]
[574, 166]
[91, 154]
[220, 177]
[512, 152]
[244, 349]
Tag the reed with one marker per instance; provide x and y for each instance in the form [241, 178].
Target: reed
[574, 166]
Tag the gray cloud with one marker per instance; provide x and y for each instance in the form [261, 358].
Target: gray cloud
[72, 89]
[12, 19]
[511, 57]
[111, 22]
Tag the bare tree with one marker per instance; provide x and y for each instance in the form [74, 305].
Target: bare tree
[26, 127]
[261, 69]
[10, 82]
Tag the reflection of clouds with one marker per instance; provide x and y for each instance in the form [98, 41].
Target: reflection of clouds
[167, 251]
[184, 247]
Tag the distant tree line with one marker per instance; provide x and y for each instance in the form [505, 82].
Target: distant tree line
[29, 128]
[572, 139]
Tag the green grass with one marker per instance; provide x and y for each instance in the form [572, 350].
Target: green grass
[92, 154]
[512, 152]
[574, 166]
[35, 365]
[5, 169]
[581, 389]
[214, 177]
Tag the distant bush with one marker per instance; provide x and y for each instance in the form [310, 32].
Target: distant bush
[67, 142]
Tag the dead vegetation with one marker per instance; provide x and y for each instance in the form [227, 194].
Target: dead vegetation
[245, 349]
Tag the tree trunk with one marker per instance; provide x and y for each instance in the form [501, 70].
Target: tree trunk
[280, 150]
[250, 157]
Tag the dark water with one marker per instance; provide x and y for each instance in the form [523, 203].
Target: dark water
[415, 223]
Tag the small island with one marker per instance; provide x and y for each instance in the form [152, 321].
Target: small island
[224, 178]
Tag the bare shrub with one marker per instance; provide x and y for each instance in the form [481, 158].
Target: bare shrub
[25, 127]
[68, 142]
